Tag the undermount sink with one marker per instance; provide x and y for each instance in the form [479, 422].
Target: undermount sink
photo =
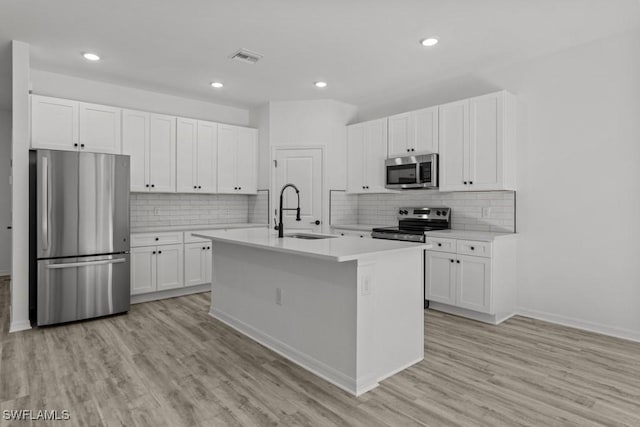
[308, 236]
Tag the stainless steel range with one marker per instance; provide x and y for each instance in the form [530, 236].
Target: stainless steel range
[413, 223]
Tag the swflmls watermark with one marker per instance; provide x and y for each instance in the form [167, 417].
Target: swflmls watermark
[37, 415]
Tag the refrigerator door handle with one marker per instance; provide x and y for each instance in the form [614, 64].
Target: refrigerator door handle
[45, 203]
[86, 263]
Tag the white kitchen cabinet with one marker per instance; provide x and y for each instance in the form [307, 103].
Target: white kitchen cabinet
[197, 263]
[100, 128]
[366, 153]
[135, 143]
[162, 153]
[479, 286]
[237, 160]
[415, 132]
[156, 268]
[477, 138]
[353, 233]
[197, 145]
[54, 123]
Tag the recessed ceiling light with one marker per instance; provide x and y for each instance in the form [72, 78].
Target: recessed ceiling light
[321, 84]
[91, 56]
[217, 85]
[431, 41]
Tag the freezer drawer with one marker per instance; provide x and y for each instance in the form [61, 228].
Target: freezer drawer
[81, 288]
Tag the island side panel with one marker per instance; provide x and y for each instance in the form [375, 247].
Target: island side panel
[314, 326]
[390, 315]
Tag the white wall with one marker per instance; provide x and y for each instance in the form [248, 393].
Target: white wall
[5, 192]
[578, 198]
[63, 86]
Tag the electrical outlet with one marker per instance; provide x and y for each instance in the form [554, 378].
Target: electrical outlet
[366, 286]
[486, 212]
[279, 296]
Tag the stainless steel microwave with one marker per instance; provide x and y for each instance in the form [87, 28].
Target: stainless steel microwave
[419, 171]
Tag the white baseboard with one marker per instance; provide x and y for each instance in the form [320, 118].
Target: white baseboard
[20, 325]
[492, 319]
[309, 363]
[598, 328]
[172, 293]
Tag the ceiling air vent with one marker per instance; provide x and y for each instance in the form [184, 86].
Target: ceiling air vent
[245, 55]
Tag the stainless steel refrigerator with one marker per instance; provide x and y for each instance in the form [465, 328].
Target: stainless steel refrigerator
[79, 236]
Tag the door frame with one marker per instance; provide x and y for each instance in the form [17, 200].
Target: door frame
[324, 185]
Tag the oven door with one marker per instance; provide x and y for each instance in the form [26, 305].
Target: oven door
[402, 173]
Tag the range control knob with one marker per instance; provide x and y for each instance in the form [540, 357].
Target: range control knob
[438, 213]
[405, 212]
[400, 211]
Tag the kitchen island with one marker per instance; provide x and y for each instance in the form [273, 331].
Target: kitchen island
[348, 309]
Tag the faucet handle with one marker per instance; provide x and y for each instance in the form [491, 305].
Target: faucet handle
[275, 224]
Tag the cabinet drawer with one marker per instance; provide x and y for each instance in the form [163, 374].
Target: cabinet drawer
[473, 247]
[153, 239]
[441, 244]
[353, 233]
[190, 238]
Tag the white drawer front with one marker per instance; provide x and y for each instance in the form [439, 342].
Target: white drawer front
[153, 239]
[473, 247]
[353, 233]
[442, 245]
[190, 238]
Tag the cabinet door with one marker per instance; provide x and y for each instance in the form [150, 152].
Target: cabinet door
[375, 147]
[169, 260]
[440, 277]
[401, 135]
[473, 283]
[143, 270]
[355, 158]
[135, 143]
[207, 158]
[227, 159]
[426, 130]
[54, 123]
[100, 129]
[247, 158]
[186, 155]
[486, 142]
[195, 261]
[454, 143]
[162, 154]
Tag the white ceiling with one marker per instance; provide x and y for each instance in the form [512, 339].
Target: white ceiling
[365, 49]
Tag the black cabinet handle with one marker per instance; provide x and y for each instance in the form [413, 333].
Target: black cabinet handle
[208, 247]
[439, 244]
[153, 185]
[413, 149]
[81, 145]
[147, 185]
[470, 182]
[153, 253]
[157, 238]
[239, 188]
[451, 260]
[199, 187]
[465, 182]
[195, 186]
[408, 150]
[75, 145]
[472, 248]
[159, 252]
[458, 261]
[203, 248]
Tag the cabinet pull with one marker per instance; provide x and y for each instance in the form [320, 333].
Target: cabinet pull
[465, 182]
[439, 244]
[458, 261]
[470, 182]
[208, 247]
[199, 187]
[153, 253]
[203, 248]
[157, 238]
[81, 145]
[75, 145]
[147, 185]
[161, 252]
[153, 185]
[451, 260]
[472, 248]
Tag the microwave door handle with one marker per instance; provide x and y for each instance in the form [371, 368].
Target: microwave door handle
[45, 203]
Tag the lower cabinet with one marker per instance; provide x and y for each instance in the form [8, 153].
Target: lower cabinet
[156, 268]
[197, 263]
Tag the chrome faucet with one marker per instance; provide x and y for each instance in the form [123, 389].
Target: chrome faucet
[280, 226]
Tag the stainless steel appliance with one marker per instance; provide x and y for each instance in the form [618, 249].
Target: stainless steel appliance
[413, 223]
[412, 172]
[79, 236]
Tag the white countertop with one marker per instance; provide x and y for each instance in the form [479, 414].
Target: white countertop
[193, 227]
[335, 248]
[357, 227]
[482, 236]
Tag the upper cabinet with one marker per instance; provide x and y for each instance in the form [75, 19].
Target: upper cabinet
[237, 160]
[366, 153]
[415, 132]
[477, 138]
[150, 140]
[61, 124]
[197, 150]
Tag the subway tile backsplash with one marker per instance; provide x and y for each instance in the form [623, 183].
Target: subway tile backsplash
[258, 207]
[481, 211]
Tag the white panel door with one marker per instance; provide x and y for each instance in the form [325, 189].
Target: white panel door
[143, 270]
[135, 143]
[426, 130]
[473, 283]
[375, 147]
[100, 129]
[227, 159]
[355, 159]
[169, 264]
[401, 135]
[486, 142]
[195, 255]
[207, 158]
[303, 168]
[247, 159]
[54, 123]
[440, 274]
[454, 143]
[186, 155]
[162, 153]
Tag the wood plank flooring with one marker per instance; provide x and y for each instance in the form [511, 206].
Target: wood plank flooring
[167, 363]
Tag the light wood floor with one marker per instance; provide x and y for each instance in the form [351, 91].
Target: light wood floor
[169, 363]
